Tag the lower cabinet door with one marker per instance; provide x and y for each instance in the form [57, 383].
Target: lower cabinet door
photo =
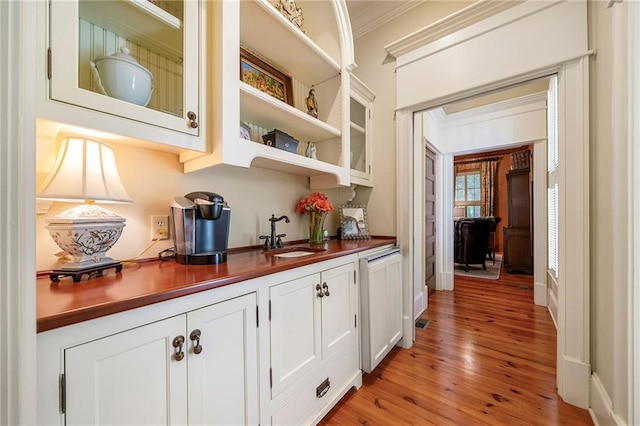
[132, 378]
[295, 330]
[382, 310]
[339, 306]
[223, 363]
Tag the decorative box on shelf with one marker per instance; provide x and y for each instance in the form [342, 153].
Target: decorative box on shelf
[281, 140]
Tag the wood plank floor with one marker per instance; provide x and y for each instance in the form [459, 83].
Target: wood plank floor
[487, 357]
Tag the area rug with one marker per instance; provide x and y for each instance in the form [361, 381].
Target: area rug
[491, 273]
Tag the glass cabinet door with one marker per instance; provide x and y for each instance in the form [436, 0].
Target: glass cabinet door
[137, 59]
[358, 136]
[360, 106]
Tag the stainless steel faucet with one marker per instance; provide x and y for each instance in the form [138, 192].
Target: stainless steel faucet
[274, 240]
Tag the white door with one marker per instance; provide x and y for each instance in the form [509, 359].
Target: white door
[338, 310]
[223, 363]
[295, 330]
[131, 378]
[383, 296]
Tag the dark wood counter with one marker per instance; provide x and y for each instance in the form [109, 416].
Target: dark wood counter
[65, 303]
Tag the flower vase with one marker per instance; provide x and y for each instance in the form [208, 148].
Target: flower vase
[316, 226]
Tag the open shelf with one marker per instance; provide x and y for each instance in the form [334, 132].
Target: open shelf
[258, 108]
[259, 155]
[291, 44]
[139, 21]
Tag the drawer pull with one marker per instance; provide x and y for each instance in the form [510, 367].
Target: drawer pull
[323, 388]
[177, 343]
[319, 290]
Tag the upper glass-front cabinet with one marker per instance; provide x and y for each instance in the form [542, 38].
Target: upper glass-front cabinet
[136, 59]
[361, 104]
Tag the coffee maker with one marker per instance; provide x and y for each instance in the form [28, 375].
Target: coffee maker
[200, 222]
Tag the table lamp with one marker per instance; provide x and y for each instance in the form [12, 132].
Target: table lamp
[458, 212]
[85, 171]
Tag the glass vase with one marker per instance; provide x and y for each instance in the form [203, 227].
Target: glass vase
[316, 226]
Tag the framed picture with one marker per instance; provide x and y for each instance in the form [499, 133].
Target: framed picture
[245, 131]
[354, 223]
[264, 77]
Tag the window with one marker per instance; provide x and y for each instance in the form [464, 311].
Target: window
[552, 181]
[467, 193]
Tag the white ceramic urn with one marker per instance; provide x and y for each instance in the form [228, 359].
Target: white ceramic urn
[120, 76]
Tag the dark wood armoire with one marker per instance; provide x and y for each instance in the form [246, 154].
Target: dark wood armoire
[518, 246]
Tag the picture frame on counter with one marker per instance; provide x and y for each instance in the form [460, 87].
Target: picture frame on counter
[354, 222]
[256, 72]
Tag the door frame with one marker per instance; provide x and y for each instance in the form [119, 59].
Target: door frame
[570, 63]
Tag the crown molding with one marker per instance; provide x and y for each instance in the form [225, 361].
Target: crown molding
[383, 12]
[469, 15]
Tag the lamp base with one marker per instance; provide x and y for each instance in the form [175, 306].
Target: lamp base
[94, 271]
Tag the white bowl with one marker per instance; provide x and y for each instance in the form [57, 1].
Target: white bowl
[120, 76]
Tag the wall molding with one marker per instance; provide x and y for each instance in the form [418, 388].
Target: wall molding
[600, 406]
[457, 21]
[17, 214]
[383, 12]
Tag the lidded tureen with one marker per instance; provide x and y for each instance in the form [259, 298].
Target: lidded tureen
[120, 76]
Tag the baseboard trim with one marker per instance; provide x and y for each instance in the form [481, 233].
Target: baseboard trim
[552, 305]
[540, 294]
[600, 406]
[574, 378]
[446, 282]
[419, 304]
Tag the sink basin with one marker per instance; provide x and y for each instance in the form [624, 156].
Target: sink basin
[294, 251]
[294, 254]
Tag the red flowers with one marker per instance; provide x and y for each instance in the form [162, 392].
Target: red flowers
[315, 202]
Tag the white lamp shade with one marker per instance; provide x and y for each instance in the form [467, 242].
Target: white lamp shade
[85, 169]
[458, 212]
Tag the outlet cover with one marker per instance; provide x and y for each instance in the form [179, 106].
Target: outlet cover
[159, 227]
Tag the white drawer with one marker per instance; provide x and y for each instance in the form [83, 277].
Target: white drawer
[306, 405]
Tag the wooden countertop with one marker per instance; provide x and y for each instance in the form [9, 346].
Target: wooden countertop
[64, 303]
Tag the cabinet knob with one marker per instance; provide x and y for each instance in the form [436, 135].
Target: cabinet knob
[193, 117]
[325, 286]
[319, 290]
[178, 341]
[195, 337]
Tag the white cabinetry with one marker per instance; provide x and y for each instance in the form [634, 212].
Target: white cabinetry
[199, 368]
[314, 343]
[381, 301]
[317, 57]
[127, 378]
[165, 38]
[361, 106]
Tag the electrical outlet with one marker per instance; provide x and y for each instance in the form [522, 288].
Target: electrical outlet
[159, 227]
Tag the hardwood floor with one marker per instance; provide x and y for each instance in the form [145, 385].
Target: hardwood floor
[487, 357]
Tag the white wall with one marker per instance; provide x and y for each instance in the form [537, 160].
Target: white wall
[153, 178]
[380, 77]
[610, 200]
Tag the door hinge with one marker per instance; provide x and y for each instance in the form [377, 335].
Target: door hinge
[271, 378]
[49, 63]
[269, 309]
[63, 394]
[257, 316]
